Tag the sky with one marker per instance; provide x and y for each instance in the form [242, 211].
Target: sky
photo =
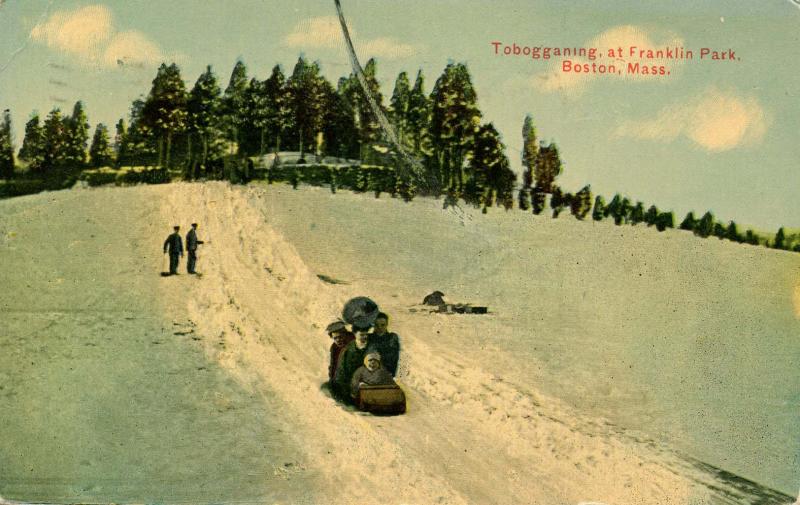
[712, 135]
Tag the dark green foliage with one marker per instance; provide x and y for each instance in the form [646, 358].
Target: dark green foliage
[582, 202]
[307, 96]
[558, 200]
[120, 142]
[455, 118]
[491, 178]
[524, 199]
[733, 233]
[547, 167]
[100, 152]
[530, 151]
[204, 123]
[33, 145]
[418, 117]
[780, 240]
[164, 111]
[665, 220]
[233, 105]
[6, 147]
[651, 216]
[616, 210]
[398, 107]
[55, 141]
[705, 227]
[637, 213]
[719, 230]
[689, 222]
[751, 238]
[538, 200]
[599, 211]
[77, 137]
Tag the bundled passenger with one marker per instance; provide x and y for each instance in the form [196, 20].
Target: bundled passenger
[337, 330]
[351, 358]
[372, 373]
[385, 343]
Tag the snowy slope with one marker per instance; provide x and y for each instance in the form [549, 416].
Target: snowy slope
[483, 426]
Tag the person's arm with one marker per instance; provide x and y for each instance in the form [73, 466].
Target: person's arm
[166, 244]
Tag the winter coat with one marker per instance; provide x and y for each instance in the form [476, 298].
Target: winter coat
[336, 352]
[174, 244]
[350, 360]
[388, 346]
[379, 377]
[191, 240]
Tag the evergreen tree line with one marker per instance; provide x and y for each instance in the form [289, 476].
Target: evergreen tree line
[195, 130]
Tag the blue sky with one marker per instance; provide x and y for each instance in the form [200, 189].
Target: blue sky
[713, 135]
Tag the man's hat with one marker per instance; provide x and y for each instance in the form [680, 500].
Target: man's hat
[176, 227]
[335, 327]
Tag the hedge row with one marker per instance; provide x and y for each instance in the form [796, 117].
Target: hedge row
[133, 175]
[358, 178]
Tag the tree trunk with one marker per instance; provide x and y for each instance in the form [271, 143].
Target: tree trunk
[160, 151]
[169, 147]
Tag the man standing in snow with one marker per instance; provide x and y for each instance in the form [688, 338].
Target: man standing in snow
[174, 245]
[191, 248]
[385, 343]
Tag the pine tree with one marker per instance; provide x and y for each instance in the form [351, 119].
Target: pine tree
[780, 240]
[719, 230]
[6, 147]
[547, 167]
[689, 222]
[55, 141]
[651, 216]
[165, 110]
[307, 95]
[204, 123]
[530, 149]
[455, 118]
[101, 153]
[279, 117]
[705, 227]
[32, 150]
[141, 145]
[582, 202]
[491, 175]
[77, 137]
[599, 211]
[418, 116]
[398, 107]
[665, 220]
[559, 200]
[637, 213]
[538, 200]
[733, 234]
[751, 238]
[120, 142]
[615, 210]
[234, 108]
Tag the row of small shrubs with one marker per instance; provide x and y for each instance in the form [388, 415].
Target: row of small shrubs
[358, 178]
[125, 176]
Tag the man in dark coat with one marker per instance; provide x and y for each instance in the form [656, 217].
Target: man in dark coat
[174, 245]
[341, 337]
[385, 343]
[350, 360]
[191, 248]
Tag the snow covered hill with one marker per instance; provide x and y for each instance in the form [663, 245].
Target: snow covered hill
[182, 389]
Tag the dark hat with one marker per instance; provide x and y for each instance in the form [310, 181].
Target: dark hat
[176, 227]
[194, 225]
[360, 312]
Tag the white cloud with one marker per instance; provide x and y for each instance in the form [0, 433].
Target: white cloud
[89, 33]
[716, 120]
[326, 33]
[386, 48]
[625, 37]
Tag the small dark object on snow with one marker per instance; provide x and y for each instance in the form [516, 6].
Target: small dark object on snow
[360, 311]
[382, 400]
[461, 308]
[436, 299]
